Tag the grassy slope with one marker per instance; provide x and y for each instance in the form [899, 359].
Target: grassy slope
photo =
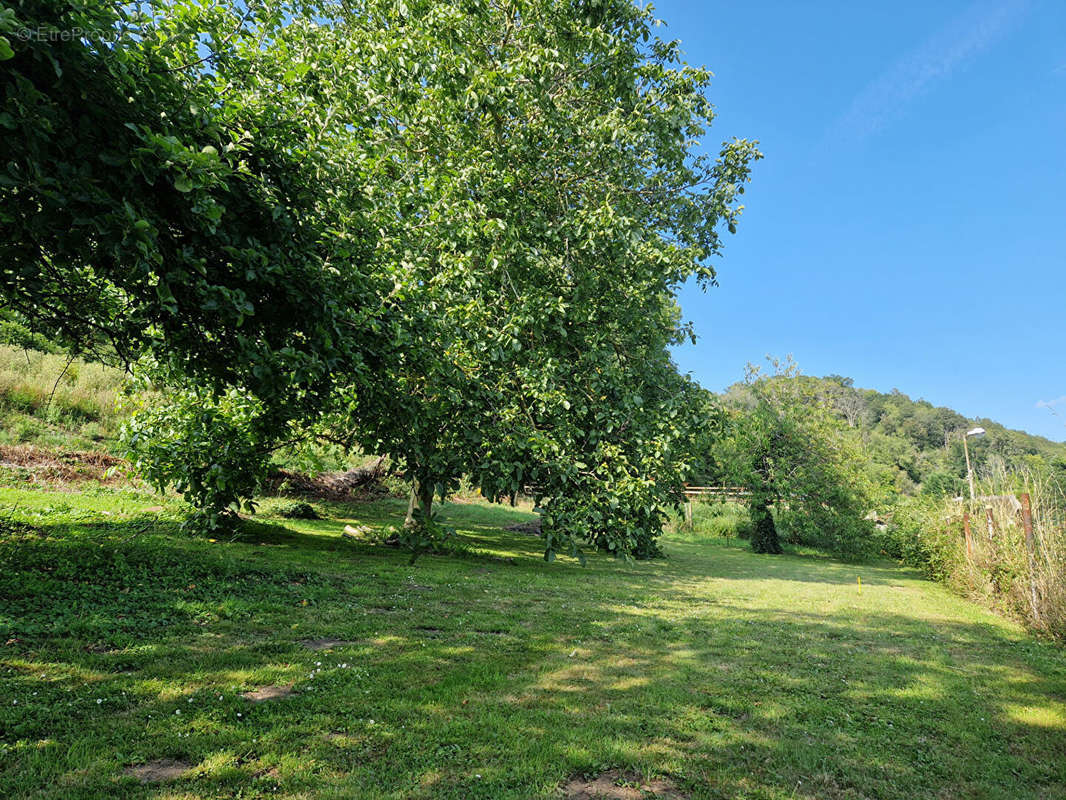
[49, 401]
[495, 675]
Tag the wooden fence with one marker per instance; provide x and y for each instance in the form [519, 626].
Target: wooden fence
[735, 494]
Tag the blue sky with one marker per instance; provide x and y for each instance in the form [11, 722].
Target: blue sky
[907, 227]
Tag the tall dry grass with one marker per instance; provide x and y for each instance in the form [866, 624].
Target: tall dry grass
[1047, 572]
[997, 564]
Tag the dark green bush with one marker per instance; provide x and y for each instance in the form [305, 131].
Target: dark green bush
[764, 537]
[298, 511]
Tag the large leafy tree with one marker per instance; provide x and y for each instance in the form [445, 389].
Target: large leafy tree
[149, 202]
[531, 185]
[538, 189]
[162, 201]
[787, 446]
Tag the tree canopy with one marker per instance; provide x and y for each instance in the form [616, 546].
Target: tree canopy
[915, 447]
[150, 205]
[540, 202]
[448, 232]
[162, 206]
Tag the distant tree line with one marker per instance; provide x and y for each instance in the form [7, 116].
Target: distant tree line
[916, 447]
[829, 463]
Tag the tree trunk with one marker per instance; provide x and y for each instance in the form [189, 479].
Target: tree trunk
[422, 495]
[425, 498]
[421, 498]
[409, 520]
[764, 533]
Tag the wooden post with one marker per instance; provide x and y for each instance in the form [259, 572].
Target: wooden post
[991, 522]
[688, 512]
[1027, 519]
[1027, 526]
[966, 530]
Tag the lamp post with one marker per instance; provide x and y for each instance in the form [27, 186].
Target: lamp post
[966, 449]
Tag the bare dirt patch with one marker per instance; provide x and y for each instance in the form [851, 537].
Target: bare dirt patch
[326, 644]
[618, 785]
[264, 693]
[158, 771]
[532, 527]
[380, 609]
[64, 466]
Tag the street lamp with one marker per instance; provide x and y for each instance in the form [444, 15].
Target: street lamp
[966, 449]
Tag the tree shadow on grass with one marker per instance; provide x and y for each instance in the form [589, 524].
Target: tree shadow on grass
[521, 675]
[476, 537]
[734, 560]
[814, 707]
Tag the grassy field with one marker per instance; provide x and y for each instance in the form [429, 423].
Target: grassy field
[492, 674]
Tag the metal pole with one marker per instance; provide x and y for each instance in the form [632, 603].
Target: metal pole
[969, 469]
[966, 530]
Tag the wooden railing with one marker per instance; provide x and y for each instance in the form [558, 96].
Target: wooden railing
[735, 493]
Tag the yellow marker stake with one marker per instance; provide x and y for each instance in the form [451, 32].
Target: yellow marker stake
[859, 579]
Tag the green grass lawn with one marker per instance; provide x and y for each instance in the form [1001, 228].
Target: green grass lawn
[493, 674]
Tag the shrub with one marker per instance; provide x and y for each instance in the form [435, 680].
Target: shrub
[764, 534]
[210, 449]
[298, 511]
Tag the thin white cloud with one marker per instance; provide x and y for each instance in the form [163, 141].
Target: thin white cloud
[965, 37]
[1058, 401]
